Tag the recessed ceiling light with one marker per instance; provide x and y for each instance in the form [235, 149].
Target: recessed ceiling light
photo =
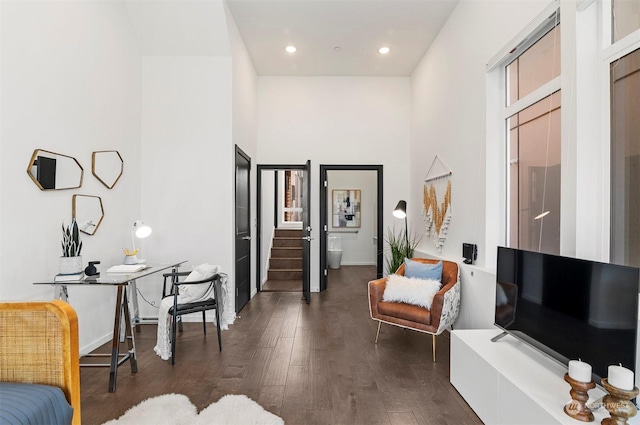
[383, 50]
[337, 49]
[290, 49]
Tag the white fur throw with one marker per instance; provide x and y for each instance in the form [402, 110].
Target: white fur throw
[190, 293]
[410, 290]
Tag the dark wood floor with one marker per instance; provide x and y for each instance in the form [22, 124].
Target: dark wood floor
[309, 364]
[282, 286]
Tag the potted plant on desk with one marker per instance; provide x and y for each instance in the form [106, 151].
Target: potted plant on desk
[71, 260]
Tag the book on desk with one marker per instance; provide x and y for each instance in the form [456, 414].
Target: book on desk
[127, 268]
[68, 277]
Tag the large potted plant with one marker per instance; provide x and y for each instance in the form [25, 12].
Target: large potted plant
[71, 260]
[401, 246]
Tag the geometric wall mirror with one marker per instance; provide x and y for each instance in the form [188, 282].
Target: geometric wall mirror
[88, 212]
[107, 166]
[54, 171]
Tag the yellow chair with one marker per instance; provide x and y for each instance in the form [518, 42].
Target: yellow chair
[39, 345]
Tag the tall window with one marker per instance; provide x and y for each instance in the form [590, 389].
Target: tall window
[292, 208]
[533, 136]
[625, 16]
[625, 160]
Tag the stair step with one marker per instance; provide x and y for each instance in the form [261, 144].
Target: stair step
[291, 233]
[287, 241]
[285, 263]
[286, 252]
[284, 274]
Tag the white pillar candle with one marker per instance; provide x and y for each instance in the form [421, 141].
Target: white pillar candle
[621, 377]
[580, 371]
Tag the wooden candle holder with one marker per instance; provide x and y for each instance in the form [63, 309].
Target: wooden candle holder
[618, 403]
[577, 408]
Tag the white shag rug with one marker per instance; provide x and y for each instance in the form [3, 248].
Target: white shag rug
[177, 409]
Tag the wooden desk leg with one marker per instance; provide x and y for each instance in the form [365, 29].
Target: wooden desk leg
[131, 342]
[115, 341]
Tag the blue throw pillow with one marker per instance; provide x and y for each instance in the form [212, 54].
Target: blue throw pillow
[423, 270]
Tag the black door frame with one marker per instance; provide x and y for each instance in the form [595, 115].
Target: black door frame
[306, 233]
[240, 152]
[260, 168]
[324, 228]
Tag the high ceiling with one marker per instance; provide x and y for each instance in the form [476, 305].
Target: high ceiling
[338, 37]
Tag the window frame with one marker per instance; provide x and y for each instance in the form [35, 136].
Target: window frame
[496, 71]
[586, 199]
[610, 52]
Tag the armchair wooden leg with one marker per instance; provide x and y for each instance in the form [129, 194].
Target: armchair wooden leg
[433, 347]
[378, 333]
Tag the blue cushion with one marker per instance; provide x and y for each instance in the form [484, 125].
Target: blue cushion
[33, 404]
[423, 270]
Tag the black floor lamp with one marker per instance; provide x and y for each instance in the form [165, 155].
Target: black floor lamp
[401, 212]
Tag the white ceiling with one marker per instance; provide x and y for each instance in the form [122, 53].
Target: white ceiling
[357, 27]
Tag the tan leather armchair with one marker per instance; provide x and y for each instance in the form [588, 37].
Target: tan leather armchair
[444, 308]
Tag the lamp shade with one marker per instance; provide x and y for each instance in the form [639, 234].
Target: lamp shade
[401, 209]
[141, 230]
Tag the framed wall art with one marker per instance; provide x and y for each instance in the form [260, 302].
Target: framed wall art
[346, 208]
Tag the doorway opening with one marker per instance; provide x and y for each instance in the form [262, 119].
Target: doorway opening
[283, 229]
[351, 202]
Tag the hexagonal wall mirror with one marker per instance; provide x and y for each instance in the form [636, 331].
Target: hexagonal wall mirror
[54, 171]
[107, 166]
[88, 212]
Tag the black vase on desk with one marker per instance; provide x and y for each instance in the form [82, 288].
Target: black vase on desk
[91, 269]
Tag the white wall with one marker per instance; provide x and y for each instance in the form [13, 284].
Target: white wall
[187, 161]
[267, 208]
[70, 84]
[187, 167]
[337, 120]
[75, 80]
[244, 109]
[448, 115]
[448, 119]
[357, 248]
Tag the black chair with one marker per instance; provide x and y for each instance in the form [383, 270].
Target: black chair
[178, 310]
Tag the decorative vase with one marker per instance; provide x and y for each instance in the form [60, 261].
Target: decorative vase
[71, 265]
[130, 259]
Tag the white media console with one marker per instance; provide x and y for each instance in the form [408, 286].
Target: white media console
[509, 382]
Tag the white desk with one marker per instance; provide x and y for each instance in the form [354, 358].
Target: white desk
[124, 282]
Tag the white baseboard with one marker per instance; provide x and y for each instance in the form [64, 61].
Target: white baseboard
[357, 263]
[94, 345]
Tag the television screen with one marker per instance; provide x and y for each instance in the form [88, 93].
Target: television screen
[569, 308]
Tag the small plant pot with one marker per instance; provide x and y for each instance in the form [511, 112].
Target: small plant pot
[130, 259]
[71, 265]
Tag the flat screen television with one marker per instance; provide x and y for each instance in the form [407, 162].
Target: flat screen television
[569, 308]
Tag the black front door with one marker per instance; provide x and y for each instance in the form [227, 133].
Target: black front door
[243, 230]
[306, 233]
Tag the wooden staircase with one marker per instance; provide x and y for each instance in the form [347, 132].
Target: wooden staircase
[285, 262]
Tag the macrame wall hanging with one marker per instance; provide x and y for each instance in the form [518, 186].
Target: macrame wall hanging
[437, 202]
